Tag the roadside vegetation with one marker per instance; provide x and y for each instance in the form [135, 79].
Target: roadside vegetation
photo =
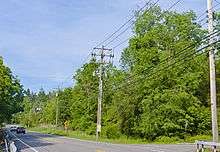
[11, 94]
[146, 99]
[121, 140]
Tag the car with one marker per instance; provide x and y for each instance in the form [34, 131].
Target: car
[13, 128]
[20, 130]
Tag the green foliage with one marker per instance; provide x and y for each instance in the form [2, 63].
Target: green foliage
[112, 131]
[84, 96]
[198, 137]
[165, 139]
[11, 93]
[146, 98]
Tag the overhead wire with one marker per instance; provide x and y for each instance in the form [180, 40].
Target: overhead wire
[119, 44]
[123, 25]
[173, 5]
[173, 65]
[165, 68]
[154, 4]
[129, 38]
[188, 47]
[127, 27]
[217, 2]
[110, 36]
[70, 76]
[204, 13]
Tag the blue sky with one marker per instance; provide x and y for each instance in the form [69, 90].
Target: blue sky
[45, 41]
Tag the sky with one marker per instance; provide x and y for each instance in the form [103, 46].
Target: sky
[45, 41]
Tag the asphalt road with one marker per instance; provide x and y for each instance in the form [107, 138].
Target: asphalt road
[36, 142]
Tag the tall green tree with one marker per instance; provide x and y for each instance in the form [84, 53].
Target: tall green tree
[85, 91]
[161, 88]
[164, 100]
[11, 93]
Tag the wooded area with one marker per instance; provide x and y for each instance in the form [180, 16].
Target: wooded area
[160, 89]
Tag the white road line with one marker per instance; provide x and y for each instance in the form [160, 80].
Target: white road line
[156, 150]
[24, 143]
[72, 138]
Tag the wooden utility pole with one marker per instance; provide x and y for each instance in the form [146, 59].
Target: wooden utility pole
[103, 52]
[57, 109]
[212, 74]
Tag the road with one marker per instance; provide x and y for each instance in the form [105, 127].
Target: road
[36, 142]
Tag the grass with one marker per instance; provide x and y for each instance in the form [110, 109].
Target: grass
[121, 140]
[198, 137]
[84, 136]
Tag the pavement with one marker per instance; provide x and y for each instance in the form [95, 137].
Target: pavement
[37, 142]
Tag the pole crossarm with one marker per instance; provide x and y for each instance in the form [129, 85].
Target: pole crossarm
[100, 56]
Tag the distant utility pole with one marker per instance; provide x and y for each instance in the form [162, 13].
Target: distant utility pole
[212, 74]
[57, 104]
[57, 110]
[102, 53]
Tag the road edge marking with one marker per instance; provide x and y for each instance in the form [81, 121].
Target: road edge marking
[71, 138]
[24, 143]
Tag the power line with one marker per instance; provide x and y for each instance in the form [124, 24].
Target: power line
[204, 13]
[188, 47]
[123, 25]
[167, 57]
[127, 22]
[217, 2]
[119, 35]
[124, 41]
[119, 44]
[128, 26]
[173, 5]
[129, 38]
[198, 42]
[152, 74]
[148, 78]
[165, 68]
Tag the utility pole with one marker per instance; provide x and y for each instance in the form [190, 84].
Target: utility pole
[212, 74]
[57, 104]
[56, 110]
[102, 53]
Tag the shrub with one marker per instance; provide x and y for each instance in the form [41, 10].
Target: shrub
[112, 131]
[165, 139]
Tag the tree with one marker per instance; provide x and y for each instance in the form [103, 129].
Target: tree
[161, 89]
[84, 102]
[161, 98]
[11, 93]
